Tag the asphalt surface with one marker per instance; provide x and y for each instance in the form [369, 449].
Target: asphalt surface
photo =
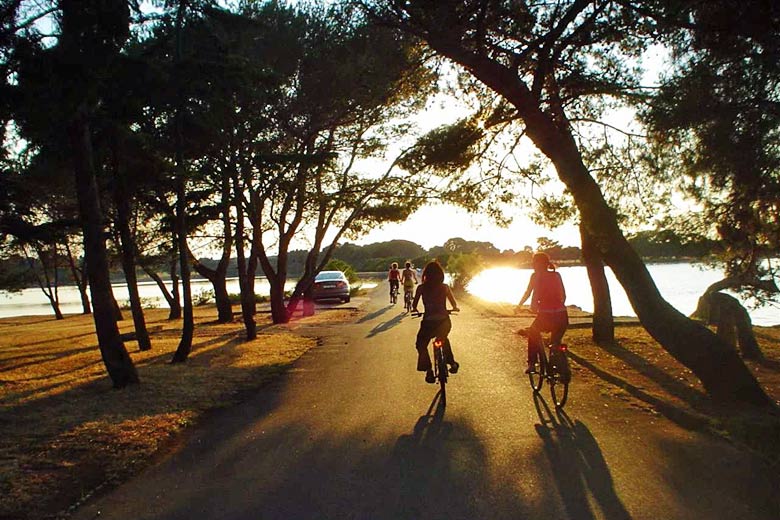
[352, 431]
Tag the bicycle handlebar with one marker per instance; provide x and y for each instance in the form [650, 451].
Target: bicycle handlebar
[417, 314]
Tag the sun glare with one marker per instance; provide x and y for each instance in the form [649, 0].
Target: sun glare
[499, 284]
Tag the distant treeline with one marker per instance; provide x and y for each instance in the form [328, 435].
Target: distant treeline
[651, 245]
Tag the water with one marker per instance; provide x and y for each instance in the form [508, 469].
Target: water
[681, 284]
[33, 302]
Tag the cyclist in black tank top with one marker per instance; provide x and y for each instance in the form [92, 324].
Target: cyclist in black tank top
[436, 320]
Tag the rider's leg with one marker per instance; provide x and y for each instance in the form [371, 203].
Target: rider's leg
[424, 335]
[443, 329]
[558, 326]
[534, 342]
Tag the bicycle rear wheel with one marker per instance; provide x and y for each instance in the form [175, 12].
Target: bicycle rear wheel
[536, 375]
[560, 375]
[441, 369]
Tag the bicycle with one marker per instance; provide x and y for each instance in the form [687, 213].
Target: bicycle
[408, 297]
[440, 369]
[553, 368]
[393, 295]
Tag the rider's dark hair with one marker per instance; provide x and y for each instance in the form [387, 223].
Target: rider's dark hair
[433, 273]
[408, 265]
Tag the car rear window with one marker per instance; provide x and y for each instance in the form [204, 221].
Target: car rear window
[329, 276]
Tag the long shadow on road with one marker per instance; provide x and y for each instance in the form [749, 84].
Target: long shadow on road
[442, 471]
[578, 465]
[386, 325]
[375, 314]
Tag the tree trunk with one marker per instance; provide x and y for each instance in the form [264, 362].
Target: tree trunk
[127, 245]
[732, 321]
[161, 285]
[120, 367]
[128, 266]
[218, 279]
[188, 325]
[55, 306]
[44, 282]
[246, 289]
[175, 313]
[118, 316]
[279, 311]
[218, 276]
[603, 322]
[80, 279]
[719, 368]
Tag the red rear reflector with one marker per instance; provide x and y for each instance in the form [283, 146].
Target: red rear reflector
[563, 347]
[438, 343]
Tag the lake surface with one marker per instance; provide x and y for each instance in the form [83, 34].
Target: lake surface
[681, 284]
[33, 302]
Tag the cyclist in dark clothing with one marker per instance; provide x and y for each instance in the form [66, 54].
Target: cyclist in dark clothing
[548, 298]
[394, 277]
[436, 320]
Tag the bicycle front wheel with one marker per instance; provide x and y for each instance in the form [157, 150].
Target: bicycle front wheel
[559, 391]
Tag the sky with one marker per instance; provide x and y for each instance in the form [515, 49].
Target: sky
[433, 225]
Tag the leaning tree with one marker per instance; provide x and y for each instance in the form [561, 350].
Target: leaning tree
[716, 123]
[545, 59]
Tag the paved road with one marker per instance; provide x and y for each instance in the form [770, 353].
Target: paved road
[354, 432]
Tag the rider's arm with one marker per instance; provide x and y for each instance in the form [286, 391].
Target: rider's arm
[417, 295]
[563, 290]
[528, 290]
[451, 298]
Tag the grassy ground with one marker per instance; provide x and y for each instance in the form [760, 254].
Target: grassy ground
[64, 432]
[638, 373]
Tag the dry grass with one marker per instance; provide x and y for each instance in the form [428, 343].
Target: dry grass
[64, 431]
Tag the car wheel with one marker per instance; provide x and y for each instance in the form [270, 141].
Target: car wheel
[346, 300]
